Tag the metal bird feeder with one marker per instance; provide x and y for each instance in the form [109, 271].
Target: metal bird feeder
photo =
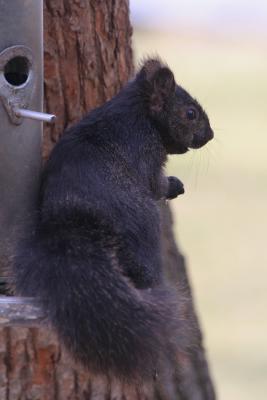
[21, 99]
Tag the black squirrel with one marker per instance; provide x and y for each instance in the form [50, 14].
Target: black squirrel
[93, 256]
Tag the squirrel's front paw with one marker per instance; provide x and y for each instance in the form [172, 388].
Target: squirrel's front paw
[175, 187]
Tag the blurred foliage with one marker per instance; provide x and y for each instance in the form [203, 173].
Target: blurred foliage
[222, 218]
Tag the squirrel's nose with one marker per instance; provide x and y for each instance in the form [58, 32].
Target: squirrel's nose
[201, 139]
[211, 134]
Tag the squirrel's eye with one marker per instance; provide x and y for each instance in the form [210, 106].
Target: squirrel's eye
[191, 114]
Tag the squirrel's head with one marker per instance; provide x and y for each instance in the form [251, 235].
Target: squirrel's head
[182, 122]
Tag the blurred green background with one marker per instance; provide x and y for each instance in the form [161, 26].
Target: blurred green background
[221, 221]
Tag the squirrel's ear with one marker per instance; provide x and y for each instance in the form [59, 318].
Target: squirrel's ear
[163, 87]
[151, 66]
[160, 84]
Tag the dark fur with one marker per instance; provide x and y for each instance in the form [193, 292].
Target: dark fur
[175, 187]
[93, 256]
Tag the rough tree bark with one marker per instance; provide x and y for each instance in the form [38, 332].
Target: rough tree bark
[88, 58]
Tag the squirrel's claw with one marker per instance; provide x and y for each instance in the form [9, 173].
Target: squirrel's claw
[175, 188]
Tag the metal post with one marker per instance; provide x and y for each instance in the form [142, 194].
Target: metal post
[21, 87]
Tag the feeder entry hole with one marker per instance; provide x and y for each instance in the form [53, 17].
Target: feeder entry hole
[16, 71]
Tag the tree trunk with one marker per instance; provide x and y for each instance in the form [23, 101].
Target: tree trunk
[88, 58]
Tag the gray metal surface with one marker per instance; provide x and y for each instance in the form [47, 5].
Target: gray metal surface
[20, 311]
[20, 144]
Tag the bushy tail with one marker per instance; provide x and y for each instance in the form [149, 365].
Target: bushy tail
[107, 324]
